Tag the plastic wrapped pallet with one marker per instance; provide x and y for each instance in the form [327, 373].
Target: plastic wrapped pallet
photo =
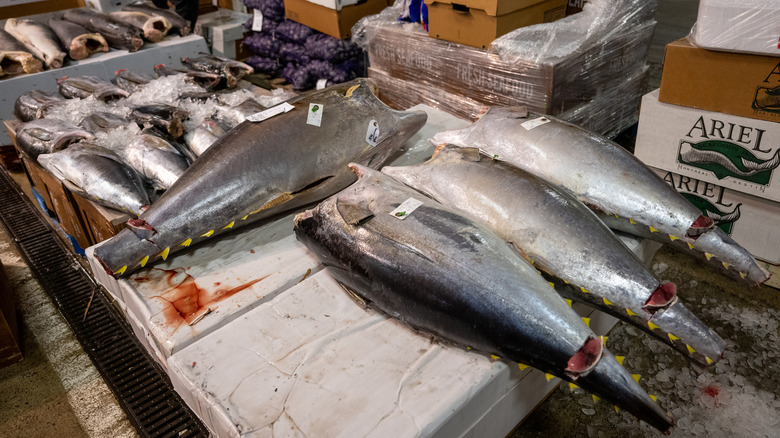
[751, 26]
[532, 69]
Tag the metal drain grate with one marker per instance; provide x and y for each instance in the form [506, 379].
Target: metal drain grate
[140, 385]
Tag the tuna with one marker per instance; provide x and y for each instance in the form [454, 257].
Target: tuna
[85, 86]
[203, 136]
[15, 59]
[154, 27]
[77, 40]
[180, 25]
[563, 238]
[207, 81]
[167, 117]
[44, 136]
[231, 71]
[99, 175]
[154, 158]
[103, 122]
[39, 40]
[33, 104]
[262, 168]
[625, 193]
[441, 273]
[118, 34]
[131, 81]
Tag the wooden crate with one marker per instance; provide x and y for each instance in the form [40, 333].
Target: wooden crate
[99, 223]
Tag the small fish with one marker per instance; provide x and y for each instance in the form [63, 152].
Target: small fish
[131, 81]
[203, 136]
[39, 40]
[15, 59]
[118, 34]
[622, 190]
[207, 81]
[44, 136]
[103, 122]
[78, 41]
[154, 158]
[230, 70]
[85, 86]
[444, 274]
[168, 117]
[33, 104]
[100, 175]
[154, 27]
[180, 25]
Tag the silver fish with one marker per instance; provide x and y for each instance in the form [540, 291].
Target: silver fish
[33, 104]
[232, 71]
[118, 34]
[15, 59]
[44, 136]
[100, 175]
[155, 159]
[78, 41]
[260, 169]
[103, 122]
[444, 274]
[203, 136]
[168, 117]
[131, 81]
[606, 178]
[207, 81]
[154, 27]
[85, 86]
[39, 40]
[562, 237]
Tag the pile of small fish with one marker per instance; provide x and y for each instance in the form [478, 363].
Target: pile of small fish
[27, 45]
[120, 147]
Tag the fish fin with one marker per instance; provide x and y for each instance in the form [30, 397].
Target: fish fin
[353, 213]
[354, 295]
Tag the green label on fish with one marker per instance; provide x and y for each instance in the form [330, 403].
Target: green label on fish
[726, 159]
[406, 208]
[315, 114]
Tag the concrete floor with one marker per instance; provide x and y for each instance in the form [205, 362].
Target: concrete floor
[55, 391]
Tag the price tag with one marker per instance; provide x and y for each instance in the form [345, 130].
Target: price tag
[406, 208]
[531, 124]
[257, 21]
[321, 83]
[372, 133]
[315, 114]
[270, 112]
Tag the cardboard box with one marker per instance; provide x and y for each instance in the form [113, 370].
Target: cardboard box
[734, 152]
[732, 83]
[751, 26]
[99, 223]
[477, 23]
[224, 33]
[330, 21]
[334, 4]
[574, 6]
[750, 220]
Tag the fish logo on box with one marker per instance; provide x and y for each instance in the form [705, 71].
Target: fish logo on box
[728, 150]
[708, 198]
[767, 98]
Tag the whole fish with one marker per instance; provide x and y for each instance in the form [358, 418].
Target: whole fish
[180, 25]
[260, 169]
[33, 104]
[177, 143]
[444, 274]
[39, 40]
[44, 136]
[207, 81]
[102, 121]
[15, 59]
[78, 41]
[155, 159]
[99, 175]
[230, 70]
[562, 237]
[165, 116]
[84, 86]
[131, 81]
[203, 136]
[606, 178]
[154, 27]
[118, 34]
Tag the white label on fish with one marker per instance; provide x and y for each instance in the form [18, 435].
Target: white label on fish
[321, 83]
[270, 112]
[406, 208]
[257, 21]
[372, 133]
[315, 114]
[531, 124]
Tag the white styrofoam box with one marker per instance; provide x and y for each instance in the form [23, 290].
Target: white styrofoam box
[145, 337]
[334, 4]
[222, 29]
[103, 65]
[304, 363]
[749, 220]
[737, 153]
[107, 5]
[751, 26]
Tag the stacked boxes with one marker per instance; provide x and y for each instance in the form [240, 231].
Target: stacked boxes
[712, 132]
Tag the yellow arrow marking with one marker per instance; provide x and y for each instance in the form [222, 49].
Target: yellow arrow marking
[552, 285]
[494, 357]
[709, 361]
[725, 265]
[587, 321]
[164, 253]
[186, 242]
[351, 90]
[742, 274]
[708, 255]
[207, 234]
[631, 221]
[568, 301]
[630, 313]
[655, 399]
[620, 359]
[673, 238]
[595, 398]
[673, 338]
[230, 225]
[584, 290]
[636, 377]
[607, 302]
[121, 270]
[617, 409]
[522, 366]
[690, 349]
[690, 246]
[651, 325]
[244, 218]
[548, 376]
[652, 230]
[144, 261]
[572, 386]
